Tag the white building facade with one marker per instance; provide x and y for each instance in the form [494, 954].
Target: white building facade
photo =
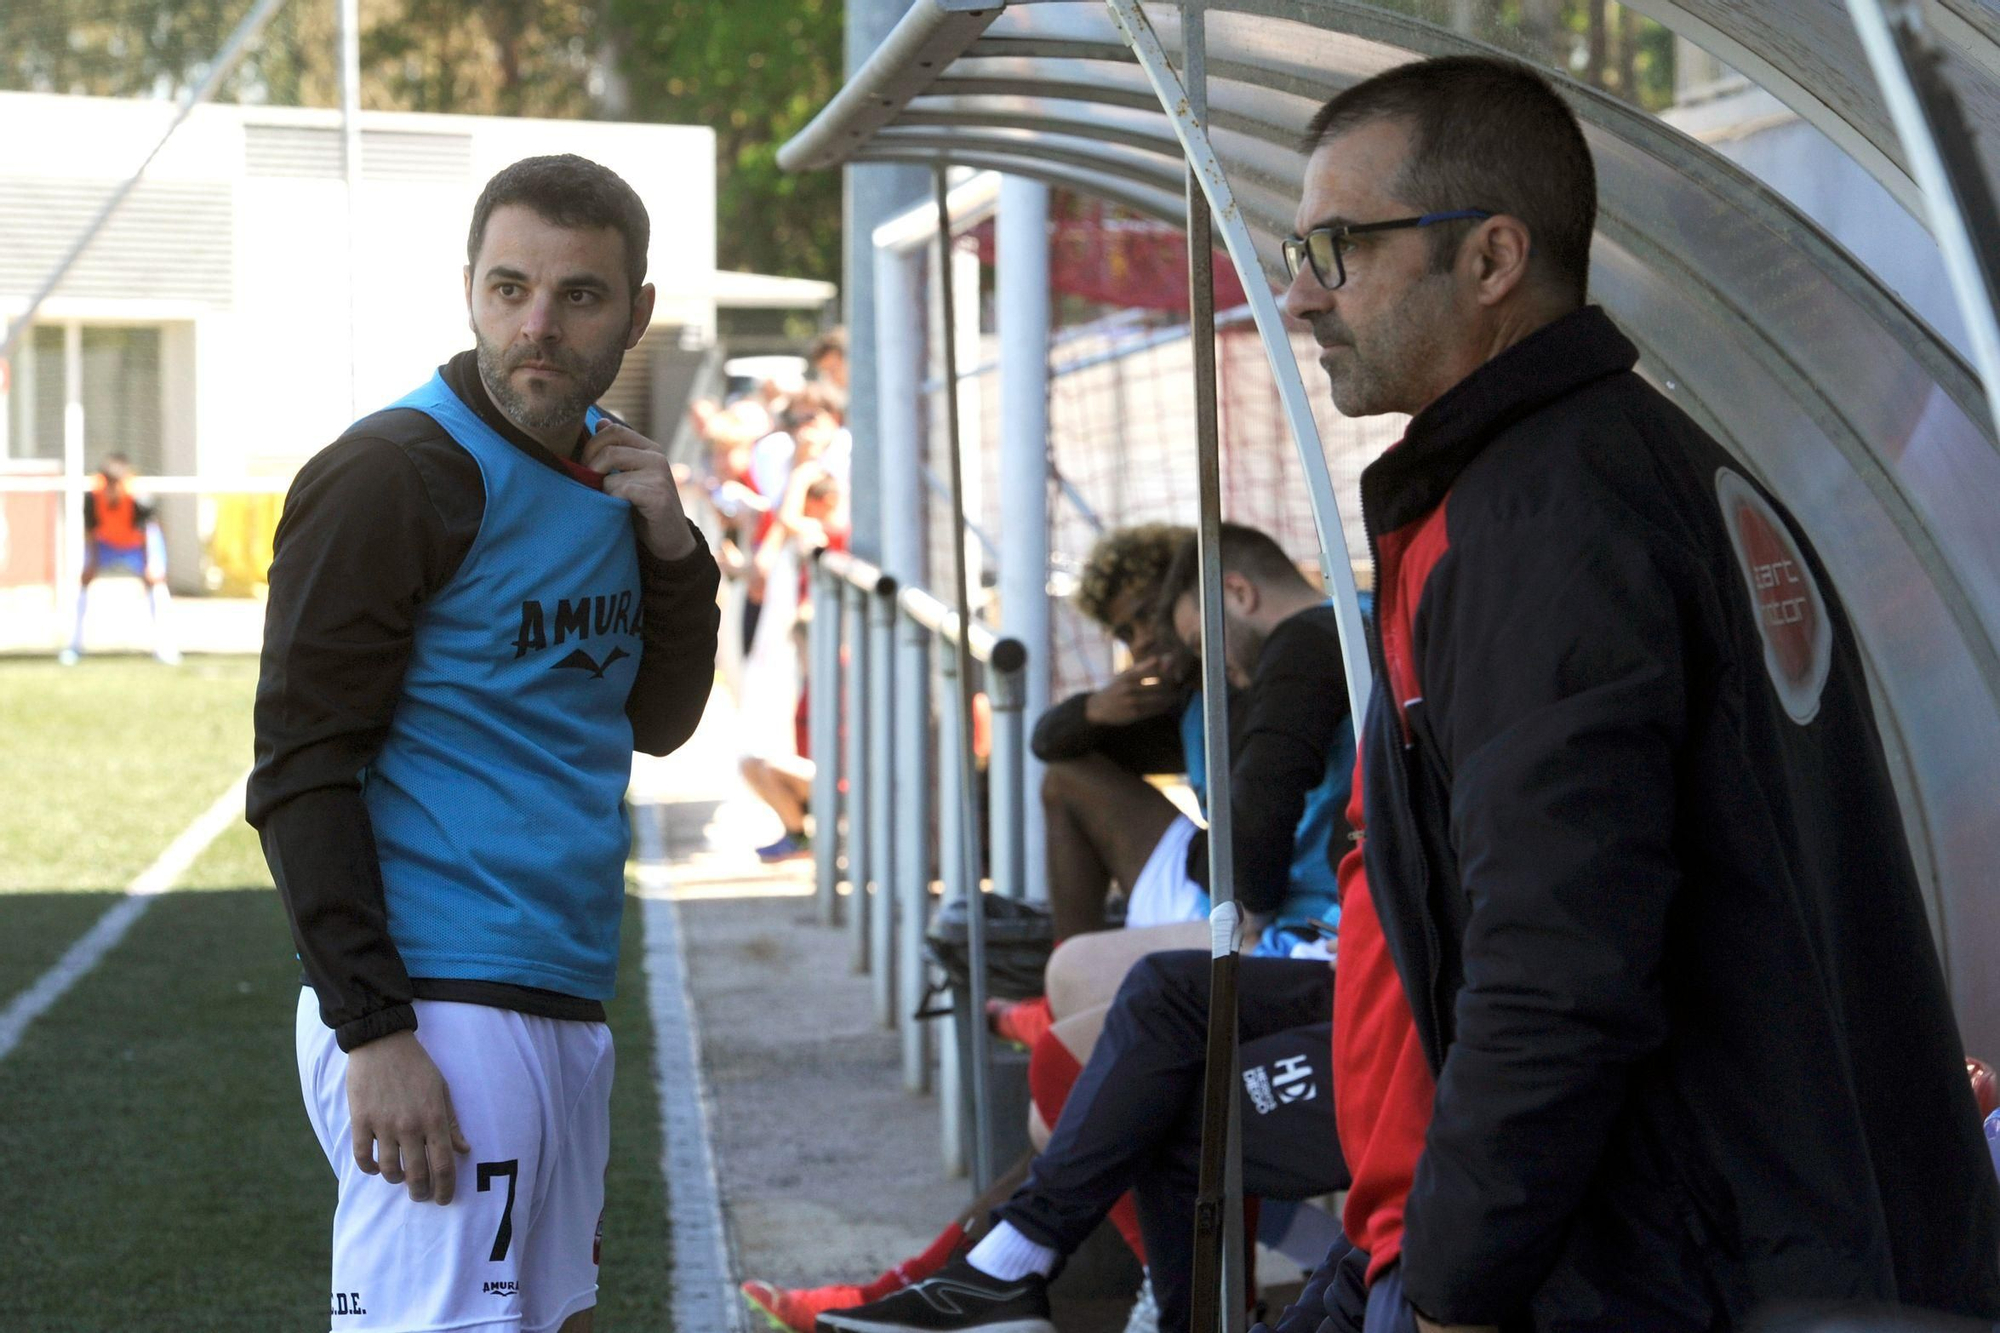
[206, 330]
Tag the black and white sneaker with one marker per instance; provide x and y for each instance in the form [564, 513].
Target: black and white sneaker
[957, 1297]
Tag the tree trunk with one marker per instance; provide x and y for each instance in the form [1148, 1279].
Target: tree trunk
[1629, 24]
[1597, 61]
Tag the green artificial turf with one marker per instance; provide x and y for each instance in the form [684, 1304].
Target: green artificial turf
[635, 1290]
[106, 761]
[157, 1171]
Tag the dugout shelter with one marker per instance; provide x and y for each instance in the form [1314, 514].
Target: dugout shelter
[1847, 358]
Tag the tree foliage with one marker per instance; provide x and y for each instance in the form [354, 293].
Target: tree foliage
[755, 71]
[499, 57]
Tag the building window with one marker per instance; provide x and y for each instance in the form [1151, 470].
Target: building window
[120, 395]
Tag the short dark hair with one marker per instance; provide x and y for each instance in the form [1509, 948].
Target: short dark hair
[569, 191]
[1484, 133]
[832, 341]
[1248, 551]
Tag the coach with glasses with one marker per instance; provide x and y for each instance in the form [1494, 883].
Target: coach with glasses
[1638, 1021]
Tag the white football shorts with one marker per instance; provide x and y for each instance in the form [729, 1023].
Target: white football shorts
[1161, 894]
[516, 1249]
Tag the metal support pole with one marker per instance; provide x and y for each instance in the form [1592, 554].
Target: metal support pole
[1176, 101]
[967, 813]
[899, 339]
[1944, 157]
[73, 472]
[350, 155]
[952, 1066]
[1010, 797]
[1218, 1277]
[873, 194]
[823, 704]
[913, 796]
[880, 776]
[860, 787]
[1021, 263]
[899, 961]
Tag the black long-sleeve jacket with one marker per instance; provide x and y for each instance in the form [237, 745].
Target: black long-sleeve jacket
[1283, 727]
[1150, 745]
[374, 524]
[1640, 864]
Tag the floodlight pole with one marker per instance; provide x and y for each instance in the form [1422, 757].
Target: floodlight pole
[350, 159]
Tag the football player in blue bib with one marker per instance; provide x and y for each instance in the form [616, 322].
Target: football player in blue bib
[483, 598]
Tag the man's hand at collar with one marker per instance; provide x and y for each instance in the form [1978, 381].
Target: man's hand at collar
[636, 470]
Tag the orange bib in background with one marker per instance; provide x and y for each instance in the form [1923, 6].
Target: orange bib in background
[117, 517]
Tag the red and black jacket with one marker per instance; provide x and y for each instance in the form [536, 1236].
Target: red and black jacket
[1638, 860]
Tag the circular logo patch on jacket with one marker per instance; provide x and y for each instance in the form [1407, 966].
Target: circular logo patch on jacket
[1791, 613]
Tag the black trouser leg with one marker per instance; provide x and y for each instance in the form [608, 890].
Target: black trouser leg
[1290, 1151]
[1144, 1077]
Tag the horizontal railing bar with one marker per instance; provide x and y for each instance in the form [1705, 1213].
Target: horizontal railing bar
[1003, 654]
[853, 569]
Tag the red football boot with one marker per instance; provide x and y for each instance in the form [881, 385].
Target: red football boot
[1023, 1021]
[796, 1309]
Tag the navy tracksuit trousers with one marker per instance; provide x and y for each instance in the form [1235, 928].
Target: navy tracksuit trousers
[1133, 1120]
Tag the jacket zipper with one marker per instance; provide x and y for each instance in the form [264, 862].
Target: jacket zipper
[1432, 1028]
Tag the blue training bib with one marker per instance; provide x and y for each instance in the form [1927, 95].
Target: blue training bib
[497, 798]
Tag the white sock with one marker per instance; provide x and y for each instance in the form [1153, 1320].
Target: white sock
[1008, 1255]
[82, 601]
[158, 600]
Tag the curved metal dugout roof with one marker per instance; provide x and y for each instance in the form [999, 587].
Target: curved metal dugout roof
[1858, 415]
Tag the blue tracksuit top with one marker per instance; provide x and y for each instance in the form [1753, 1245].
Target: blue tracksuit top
[497, 798]
[1312, 889]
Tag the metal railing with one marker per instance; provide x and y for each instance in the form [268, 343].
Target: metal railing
[879, 790]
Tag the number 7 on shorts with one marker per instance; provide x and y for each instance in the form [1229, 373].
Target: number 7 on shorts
[511, 1168]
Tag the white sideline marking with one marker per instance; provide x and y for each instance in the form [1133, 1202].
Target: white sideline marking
[101, 938]
[704, 1293]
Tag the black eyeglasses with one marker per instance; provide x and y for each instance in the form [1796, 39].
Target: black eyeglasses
[1325, 248]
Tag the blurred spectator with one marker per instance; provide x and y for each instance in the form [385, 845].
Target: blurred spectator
[810, 519]
[828, 358]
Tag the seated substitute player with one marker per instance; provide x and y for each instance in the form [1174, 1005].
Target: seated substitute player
[124, 534]
[1105, 821]
[1291, 764]
[1291, 772]
[1131, 1122]
[482, 599]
